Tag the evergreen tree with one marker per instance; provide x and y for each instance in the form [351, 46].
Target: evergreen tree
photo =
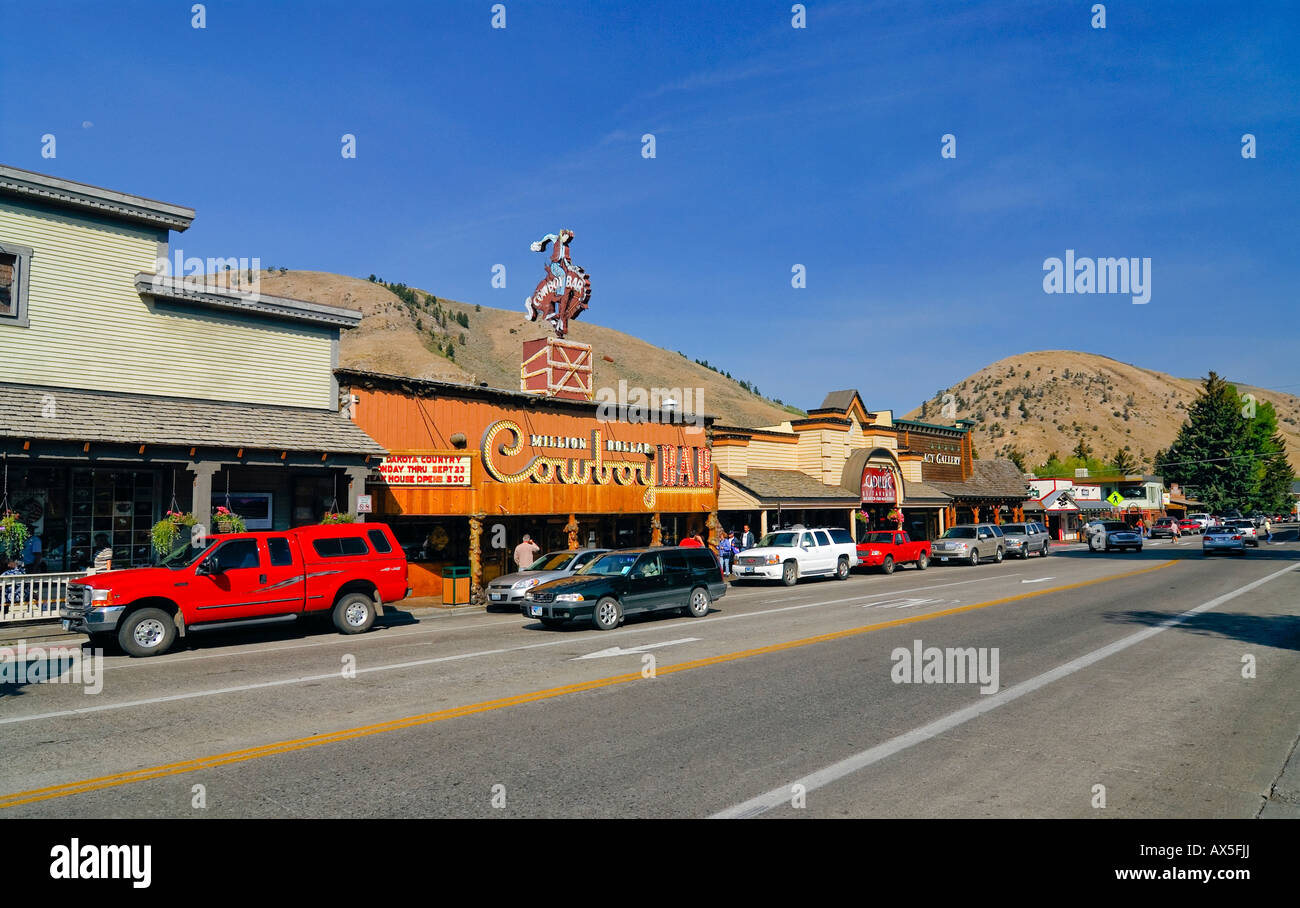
[1273, 474]
[1211, 457]
[1124, 462]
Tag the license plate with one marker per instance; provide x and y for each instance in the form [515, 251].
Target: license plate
[495, 596]
[749, 570]
[535, 611]
[67, 625]
[943, 557]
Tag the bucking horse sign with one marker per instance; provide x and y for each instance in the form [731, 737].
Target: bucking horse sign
[566, 289]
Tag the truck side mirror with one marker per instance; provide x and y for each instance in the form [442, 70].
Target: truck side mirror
[208, 565]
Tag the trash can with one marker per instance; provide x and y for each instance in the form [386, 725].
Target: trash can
[455, 586]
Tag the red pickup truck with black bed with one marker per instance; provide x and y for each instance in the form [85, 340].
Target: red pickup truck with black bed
[346, 571]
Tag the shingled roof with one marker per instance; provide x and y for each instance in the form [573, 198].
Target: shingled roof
[991, 479]
[68, 414]
[790, 485]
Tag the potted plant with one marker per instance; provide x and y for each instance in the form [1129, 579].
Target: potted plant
[171, 530]
[13, 535]
[227, 521]
[336, 517]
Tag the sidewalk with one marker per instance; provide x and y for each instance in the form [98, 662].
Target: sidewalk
[49, 632]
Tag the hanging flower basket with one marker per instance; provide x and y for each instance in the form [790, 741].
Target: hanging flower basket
[13, 535]
[171, 530]
[862, 517]
[336, 517]
[225, 521]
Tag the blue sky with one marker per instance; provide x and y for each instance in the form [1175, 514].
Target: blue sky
[775, 146]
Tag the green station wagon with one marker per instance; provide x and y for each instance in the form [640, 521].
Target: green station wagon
[630, 582]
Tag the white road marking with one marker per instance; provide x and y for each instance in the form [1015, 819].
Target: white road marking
[902, 603]
[1038, 580]
[778, 797]
[336, 675]
[635, 650]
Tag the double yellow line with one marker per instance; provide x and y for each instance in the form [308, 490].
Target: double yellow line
[283, 747]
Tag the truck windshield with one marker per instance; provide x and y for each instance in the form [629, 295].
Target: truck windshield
[183, 558]
[879, 538]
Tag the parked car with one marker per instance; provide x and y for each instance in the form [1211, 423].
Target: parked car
[347, 571]
[787, 555]
[971, 543]
[1187, 525]
[1164, 526]
[884, 549]
[1246, 527]
[1223, 539]
[510, 589]
[1025, 539]
[628, 582]
[1113, 534]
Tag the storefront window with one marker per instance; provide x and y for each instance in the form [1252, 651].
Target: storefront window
[111, 509]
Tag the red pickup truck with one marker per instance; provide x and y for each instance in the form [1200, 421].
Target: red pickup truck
[886, 548]
[347, 571]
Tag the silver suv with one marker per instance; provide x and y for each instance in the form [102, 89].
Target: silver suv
[971, 543]
[510, 589]
[1025, 539]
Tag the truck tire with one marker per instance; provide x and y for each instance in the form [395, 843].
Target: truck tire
[147, 632]
[922, 561]
[974, 557]
[790, 573]
[842, 569]
[1047, 547]
[997, 556]
[607, 614]
[887, 567]
[354, 613]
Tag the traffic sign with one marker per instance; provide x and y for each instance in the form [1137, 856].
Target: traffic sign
[1115, 498]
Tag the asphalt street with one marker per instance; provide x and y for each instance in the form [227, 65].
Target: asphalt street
[1152, 684]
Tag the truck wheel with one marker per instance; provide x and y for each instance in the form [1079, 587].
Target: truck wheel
[790, 574]
[607, 614]
[1046, 548]
[888, 566]
[354, 613]
[922, 561]
[974, 557]
[147, 632]
[842, 569]
[997, 556]
[700, 602]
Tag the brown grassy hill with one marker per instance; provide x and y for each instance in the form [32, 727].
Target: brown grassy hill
[411, 337]
[1046, 401]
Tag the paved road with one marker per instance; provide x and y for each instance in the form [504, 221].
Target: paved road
[780, 695]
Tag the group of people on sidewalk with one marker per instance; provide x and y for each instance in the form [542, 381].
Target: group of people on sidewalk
[731, 545]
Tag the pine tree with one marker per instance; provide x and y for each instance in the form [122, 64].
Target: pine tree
[1124, 462]
[1210, 457]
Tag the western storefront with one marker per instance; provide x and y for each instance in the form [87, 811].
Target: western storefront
[472, 469]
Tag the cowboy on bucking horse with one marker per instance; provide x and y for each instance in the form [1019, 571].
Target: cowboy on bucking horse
[564, 293]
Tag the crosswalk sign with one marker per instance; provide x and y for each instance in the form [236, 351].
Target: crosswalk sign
[1115, 498]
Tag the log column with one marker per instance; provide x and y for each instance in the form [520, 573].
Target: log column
[476, 592]
[572, 529]
[656, 529]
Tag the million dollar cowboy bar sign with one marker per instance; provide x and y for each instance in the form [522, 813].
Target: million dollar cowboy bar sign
[595, 460]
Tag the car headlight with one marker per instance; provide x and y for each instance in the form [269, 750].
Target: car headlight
[874, 552]
[527, 584]
[101, 596]
[569, 597]
[957, 545]
[773, 559]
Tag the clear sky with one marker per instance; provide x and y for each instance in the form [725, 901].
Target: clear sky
[774, 146]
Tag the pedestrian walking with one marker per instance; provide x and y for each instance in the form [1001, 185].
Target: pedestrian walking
[1268, 531]
[526, 552]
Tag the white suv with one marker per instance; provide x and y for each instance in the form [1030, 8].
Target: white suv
[787, 555]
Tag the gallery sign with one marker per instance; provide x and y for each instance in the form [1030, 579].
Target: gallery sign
[878, 486]
[428, 471]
